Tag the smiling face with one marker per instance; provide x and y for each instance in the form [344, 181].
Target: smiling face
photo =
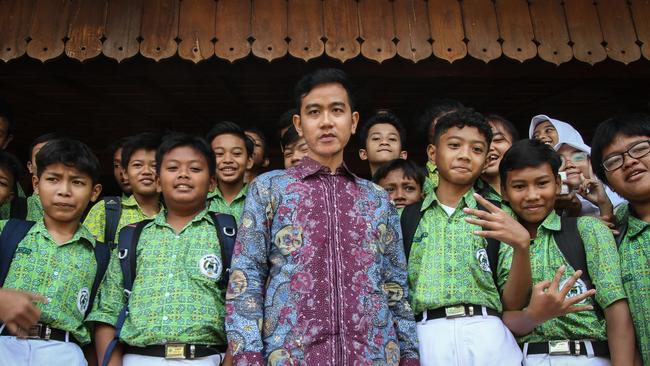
[546, 133]
[141, 172]
[232, 158]
[403, 190]
[460, 155]
[258, 150]
[576, 164]
[632, 180]
[531, 192]
[383, 144]
[501, 142]
[293, 153]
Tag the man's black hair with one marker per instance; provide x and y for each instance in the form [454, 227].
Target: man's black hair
[41, 139]
[382, 116]
[464, 117]
[231, 128]
[148, 141]
[262, 137]
[507, 125]
[116, 145]
[174, 140]
[7, 113]
[633, 124]
[289, 137]
[528, 153]
[436, 109]
[11, 163]
[321, 77]
[71, 153]
[410, 169]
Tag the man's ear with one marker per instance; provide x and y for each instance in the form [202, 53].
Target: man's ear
[97, 189]
[35, 182]
[363, 154]
[297, 124]
[404, 154]
[355, 122]
[431, 153]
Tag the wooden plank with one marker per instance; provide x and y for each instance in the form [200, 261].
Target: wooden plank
[584, 29]
[305, 28]
[641, 14]
[196, 29]
[15, 21]
[341, 29]
[269, 28]
[233, 27]
[481, 29]
[551, 32]
[516, 29]
[159, 29]
[123, 20]
[618, 30]
[377, 29]
[447, 30]
[86, 30]
[412, 29]
[51, 27]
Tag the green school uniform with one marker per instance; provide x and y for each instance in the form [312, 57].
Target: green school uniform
[96, 219]
[176, 295]
[34, 208]
[431, 181]
[217, 203]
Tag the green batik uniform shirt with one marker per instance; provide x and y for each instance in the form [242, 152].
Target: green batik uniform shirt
[34, 208]
[217, 203]
[604, 270]
[176, 295]
[635, 270]
[96, 219]
[5, 209]
[64, 274]
[431, 181]
[448, 265]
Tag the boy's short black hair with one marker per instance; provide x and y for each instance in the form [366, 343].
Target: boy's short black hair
[507, 125]
[116, 145]
[11, 164]
[410, 169]
[464, 117]
[148, 141]
[633, 124]
[528, 153]
[434, 110]
[178, 139]
[321, 77]
[7, 113]
[289, 137]
[286, 119]
[231, 128]
[262, 137]
[71, 153]
[382, 116]
[41, 139]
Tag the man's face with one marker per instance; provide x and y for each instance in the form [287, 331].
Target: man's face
[141, 172]
[5, 137]
[403, 190]
[531, 192]
[383, 144]
[546, 133]
[232, 158]
[118, 172]
[184, 179]
[460, 155]
[31, 164]
[258, 151]
[632, 180]
[65, 192]
[7, 183]
[501, 142]
[576, 164]
[326, 121]
[293, 153]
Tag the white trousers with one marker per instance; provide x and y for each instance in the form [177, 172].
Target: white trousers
[471, 341]
[131, 359]
[564, 360]
[33, 352]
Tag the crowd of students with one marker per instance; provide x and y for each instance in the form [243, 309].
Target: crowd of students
[501, 251]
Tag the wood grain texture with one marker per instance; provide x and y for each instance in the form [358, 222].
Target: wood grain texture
[87, 26]
[305, 28]
[341, 29]
[640, 15]
[159, 29]
[584, 29]
[123, 20]
[49, 28]
[196, 29]
[377, 29]
[15, 22]
[269, 28]
[516, 29]
[412, 29]
[233, 28]
[447, 29]
[551, 32]
[618, 30]
[481, 29]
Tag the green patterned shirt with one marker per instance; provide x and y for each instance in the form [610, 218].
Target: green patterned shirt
[5, 209]
[448, 264]
[218, 204]
[431, 182]
[34, 208]
[604, 270]
[176, 296]
[96, 219]
[64, 274]
[635, 271]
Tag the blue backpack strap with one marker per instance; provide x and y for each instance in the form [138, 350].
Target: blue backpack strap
[12, 234]
[226, 232]
[102, 257]
[113, 209]
[409, 221]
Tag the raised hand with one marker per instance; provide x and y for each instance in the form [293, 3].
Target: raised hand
[497, 224]
[17, 310]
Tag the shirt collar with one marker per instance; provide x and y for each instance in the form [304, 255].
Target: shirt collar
[129, 201]
[635, 226]
[552, 222]
[467, 200]
[82, 233]
[161, 218]
[217, 193]
[308, 167]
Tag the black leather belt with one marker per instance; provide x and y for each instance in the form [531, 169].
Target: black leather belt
[456, 311]
[44, 332]
[568, 348]
[176, 350]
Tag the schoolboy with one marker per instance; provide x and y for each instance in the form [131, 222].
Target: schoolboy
[234, 153]
[318, 273]
[529, 175]
[403, 181]
[176, 297]
[285, 121]
[139, 165]
[620, 158]
[56, 259]
[260, 154]
[382, 139]
[504, 134]
[34, 207]
[294, 147]
[450, 276]
[118, 172]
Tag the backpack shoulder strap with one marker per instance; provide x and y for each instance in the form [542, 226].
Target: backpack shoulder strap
[102, 257]
[12, 234]
[226, 227]
[622, 230]
[409, 221]
[18, 208]
[113, 209]
[493, 246]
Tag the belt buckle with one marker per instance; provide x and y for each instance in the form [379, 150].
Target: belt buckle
[455, 311]
[34, 332]
[559, 347]
[175, 351]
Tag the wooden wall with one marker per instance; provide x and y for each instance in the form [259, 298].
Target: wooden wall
[556, 31]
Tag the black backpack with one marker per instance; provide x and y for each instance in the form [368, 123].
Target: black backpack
[113, 211]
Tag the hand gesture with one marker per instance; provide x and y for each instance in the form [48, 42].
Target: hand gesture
[497, 224]
[568, 202]
[17, 310]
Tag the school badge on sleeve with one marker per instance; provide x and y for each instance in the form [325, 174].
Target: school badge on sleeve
[483, 261]
[83, 299]
[210, 266]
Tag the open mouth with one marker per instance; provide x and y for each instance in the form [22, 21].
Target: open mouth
[492, 157]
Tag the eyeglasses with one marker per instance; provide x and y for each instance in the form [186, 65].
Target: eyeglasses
[636, 151]
[576, 157]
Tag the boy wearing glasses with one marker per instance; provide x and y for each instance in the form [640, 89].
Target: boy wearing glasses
[621, 159]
